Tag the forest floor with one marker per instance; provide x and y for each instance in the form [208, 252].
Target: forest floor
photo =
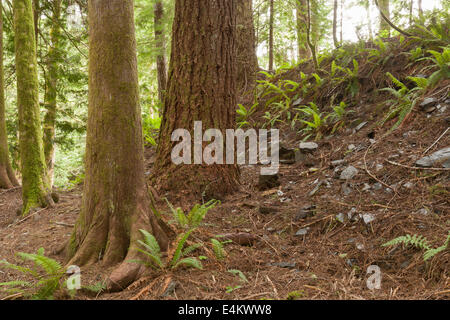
[315, 235]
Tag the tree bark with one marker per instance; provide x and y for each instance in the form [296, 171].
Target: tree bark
[50, 98]
[201, 87]
[420, 9]
[115, 202]
[7, 177]
[301, 15]
[35, 186]
[161, 48]
[384, 9]
[247, 61]
[369, 19]
[342, 22]
[311, 43]
[335, 14]
[271, 26]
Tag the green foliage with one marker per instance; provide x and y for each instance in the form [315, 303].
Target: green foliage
[195, 217]
[45, 272]
[152, 250]
[150, 127]
[244, 114]
[218, 248]
[405, 100]
[441, 61]
[419, 242]
[294, 295]
[239, 273]
[313, 127]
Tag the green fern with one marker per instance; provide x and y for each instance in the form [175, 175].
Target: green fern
[218, 249]
[151, 249]
[45, 272]
[195, 217]
[419, 242]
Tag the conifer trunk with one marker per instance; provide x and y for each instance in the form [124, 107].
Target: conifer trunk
[35, 186]
[384, 25]
[161, 48]
[247, 60]
[302, 20]
[201, 87]
[271, 26]
[115, 202]
[7, 177]
[50, 98]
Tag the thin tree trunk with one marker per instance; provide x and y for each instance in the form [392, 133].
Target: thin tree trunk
[383, 6]
[35, 186]
[369, 19]
[389, 22]
[161, 48]
[115, 201]
[303, 51]
[7, 177]
[411, 12]
[420, 9]
[271, 26]
[342, 22]
[247, 60]
[311, 45]
[50, 98]
[201, 87]
[335, 14]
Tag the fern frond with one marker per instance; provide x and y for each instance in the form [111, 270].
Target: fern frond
[189, 262]
[178, 252]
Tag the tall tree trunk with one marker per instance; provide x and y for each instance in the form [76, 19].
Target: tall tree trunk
[301, 16]
[7, 177]
[271, 26]
[161, 48]
[201, 87]
[247, 61]
[369, 19]
[384, 25]
[36, 13]
[115, 201]
[51, 79]
[35, 186]
[420, 9]
[335, 14]
[342, 22]
[411, 12]
[311, 43]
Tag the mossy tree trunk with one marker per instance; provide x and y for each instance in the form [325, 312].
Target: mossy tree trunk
[247, 61]
[160, 47]
[7, 177]
[51, 80]
[271, 26]
[384, 25]
[335, 15]
[201, 87]
[35, 186]
[302, 20]
[115, 202]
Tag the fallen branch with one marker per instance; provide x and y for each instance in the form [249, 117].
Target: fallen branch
[416, 168]
[426, 151]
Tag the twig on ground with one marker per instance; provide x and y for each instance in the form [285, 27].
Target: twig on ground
[416, 168]
[438, 139]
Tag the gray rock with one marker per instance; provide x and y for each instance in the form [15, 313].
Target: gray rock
[377, 186]
[340, 217]
[360, 126]
[308, 146]
[408, 185]
[302, 232]
[424, 212]
[337, 163]
[287, 265]
[349, 173]
[368, 218]
[379, 167]
[346, 190]
[367, 187]
[351, 147]
[439, 158]
[427, 102]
